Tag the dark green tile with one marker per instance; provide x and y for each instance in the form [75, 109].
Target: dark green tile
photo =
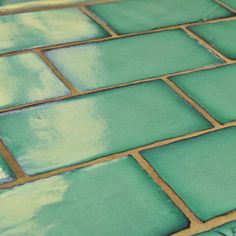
[114, 198]
[213, 89]
[221, 35]
[201, 171]
[124, 60]
[41, 28]
[6, 174]
[230, 3]
[26, 72]
[138, 15]
[80, 129]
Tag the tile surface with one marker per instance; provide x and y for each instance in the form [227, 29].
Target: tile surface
[45, 28]
[5, 172]
[201, 171]
[80, 129]
[221, 35]
[124, 60]
[213, 89]
[115, 198]
[230, 3]
[26, 72]
[139, 15]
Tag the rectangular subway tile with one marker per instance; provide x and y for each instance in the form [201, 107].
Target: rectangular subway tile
[201, 171]
[124, 60]
[26, 72]
[138, 15]
[41, 28]
[6, 174]
[221, 35]
[213, 89]
[80, 129]
[114, 198]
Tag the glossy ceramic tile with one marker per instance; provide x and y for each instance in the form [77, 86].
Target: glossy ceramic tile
[221, 35]
[230, 3]
[213, 89]
[201, 171]
[44, 28]
[124, 60]
[26, 72]
[114, 198]
[5, 173]
[80, 129]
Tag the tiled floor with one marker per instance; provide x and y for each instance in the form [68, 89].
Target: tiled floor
[117, 117]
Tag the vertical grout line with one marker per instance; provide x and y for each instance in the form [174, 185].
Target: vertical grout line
[12, 163]
[189, 100]
[166, 188]
[225, 6]
[90, 14]
[56, 72]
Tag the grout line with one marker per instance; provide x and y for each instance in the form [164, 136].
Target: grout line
[55, 71]
[194, 104]
[12, 163]
[166, 188]
[225, 6]
[206, 45]
[94, 17]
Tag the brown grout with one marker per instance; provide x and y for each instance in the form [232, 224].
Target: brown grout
[225, 6]
[166, 188]
[194, 104]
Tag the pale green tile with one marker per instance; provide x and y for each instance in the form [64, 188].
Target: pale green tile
[6, 174]
[230, 3]
[221, 35]
[201, 171]
[25, 78]
[114, 198]
[213, 89]
[41, 28]
[124, 60]
[80, 129]
[139, 15]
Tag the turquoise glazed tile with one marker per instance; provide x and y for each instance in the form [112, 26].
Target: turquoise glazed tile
[44, 28]
[201, 171]
[139, 15]
[84, 128]
[213, 89]
[26, 72]
[124, 60]
[6, 174]
[228, 229]
[230, 3]
[221, 35]
[114, 198]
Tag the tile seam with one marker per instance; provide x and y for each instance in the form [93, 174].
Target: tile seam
[225, 6]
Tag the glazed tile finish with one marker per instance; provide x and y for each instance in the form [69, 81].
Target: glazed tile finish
[201, 171]
[26, 72]
[139, 15]
[6, 174]
[221, 35]
[125, 60]
[118, 195]
[230, 3]
[80, 129]
[45, 28]
[213, 89]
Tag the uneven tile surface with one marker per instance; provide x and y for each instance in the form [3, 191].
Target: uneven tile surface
[59, 134]
[115, 198]
[26, 72]
[205, 167]
[221, 35]
[44, 28]
[5, 173]
[124, 60]
[139, 15]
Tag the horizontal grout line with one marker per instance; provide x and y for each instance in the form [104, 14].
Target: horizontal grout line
[225, 6]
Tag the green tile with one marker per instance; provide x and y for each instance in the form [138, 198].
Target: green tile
[221, 35]
[6, 174]
[138, 15]
[41, 28]
[201, 171]
[213, 89]
[230, 3]
[26, 72]
[80, 129]
[114, 198]
[124, 60]
[228, 229]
